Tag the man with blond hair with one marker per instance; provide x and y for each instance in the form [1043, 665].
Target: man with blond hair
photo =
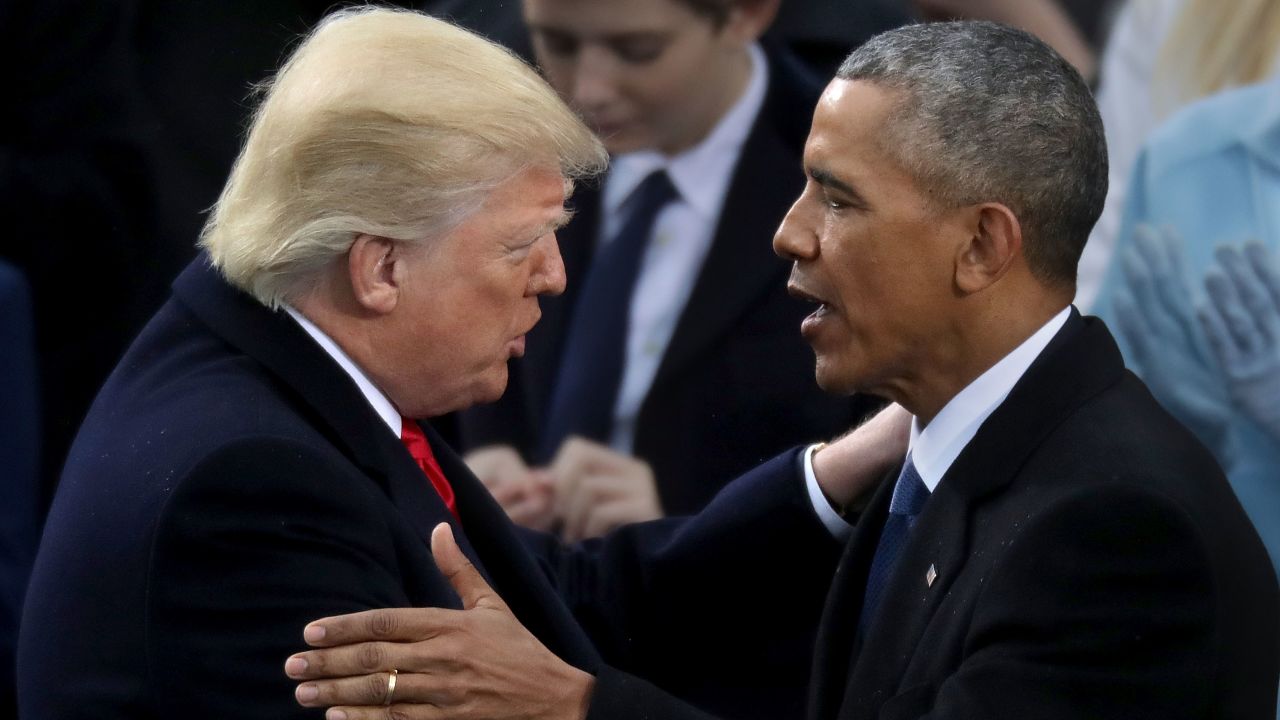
[377, 255]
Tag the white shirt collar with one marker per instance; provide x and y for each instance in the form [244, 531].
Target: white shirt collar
[937, 446]
[380, 402]
[701, 173]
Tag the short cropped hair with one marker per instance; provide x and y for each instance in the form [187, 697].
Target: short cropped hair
[989, 113]
[384, 122]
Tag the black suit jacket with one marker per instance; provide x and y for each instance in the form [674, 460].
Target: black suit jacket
[1091, 562]
[231, 484]
[736, 384]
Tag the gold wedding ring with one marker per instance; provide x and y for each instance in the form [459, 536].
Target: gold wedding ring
[391, 686]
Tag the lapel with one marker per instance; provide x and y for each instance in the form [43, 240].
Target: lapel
[316, 385]
[767, 179]
[334, 405]
[1081, 361]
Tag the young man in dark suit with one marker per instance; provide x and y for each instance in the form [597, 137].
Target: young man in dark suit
[376, 256]
[1054, 544]
[658, 377]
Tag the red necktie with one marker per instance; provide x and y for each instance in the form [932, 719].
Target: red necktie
[416, 442]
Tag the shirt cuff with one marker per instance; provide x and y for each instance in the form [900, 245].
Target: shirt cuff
[831, 520]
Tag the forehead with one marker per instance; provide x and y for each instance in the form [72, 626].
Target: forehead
[850, 133]
[598, 18]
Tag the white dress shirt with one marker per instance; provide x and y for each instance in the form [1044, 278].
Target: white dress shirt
[682, 236]
[380, 403]
[934, 447]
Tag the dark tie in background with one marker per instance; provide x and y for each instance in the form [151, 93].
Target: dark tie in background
[909, 496]
[416, 442]
[596, 348]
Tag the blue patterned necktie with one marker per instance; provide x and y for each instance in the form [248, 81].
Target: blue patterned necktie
[591, 367]
[909, 496]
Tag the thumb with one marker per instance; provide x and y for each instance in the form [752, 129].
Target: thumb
[463, 576]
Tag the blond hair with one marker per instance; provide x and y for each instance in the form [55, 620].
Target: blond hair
[1215, 45]
[384, 122]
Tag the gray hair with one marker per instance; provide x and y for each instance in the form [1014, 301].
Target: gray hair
[989, 113]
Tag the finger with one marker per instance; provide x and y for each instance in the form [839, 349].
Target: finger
[372, 689]
[567, 469]
[1264, 266]
[398, 711]
[510, 494]
[462, 575]
[1157, 291]
[364, 659]
[532, 511]
[1247, 285]
[1132, 326]
[578, 507]
[385, 624]
[1216, 332]
[608, 517]
[1222, 294]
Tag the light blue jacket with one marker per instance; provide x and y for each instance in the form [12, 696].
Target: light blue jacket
[1212, 173]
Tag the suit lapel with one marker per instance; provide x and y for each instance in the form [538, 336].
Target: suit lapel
[1081, 361]
[341, 412]
[320, 388]
[317, 384]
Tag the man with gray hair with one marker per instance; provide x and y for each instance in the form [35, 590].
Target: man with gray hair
[255, 461]
[1054, 544]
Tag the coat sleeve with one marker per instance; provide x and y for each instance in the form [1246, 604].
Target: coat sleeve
[720, 608]
[260, 538]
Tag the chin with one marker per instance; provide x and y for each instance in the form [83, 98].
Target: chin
[835, 380]
[492, 387]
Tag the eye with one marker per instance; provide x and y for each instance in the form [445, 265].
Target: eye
[640, 50]
[559, 44]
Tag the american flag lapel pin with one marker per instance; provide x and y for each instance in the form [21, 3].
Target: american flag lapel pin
[931, 575]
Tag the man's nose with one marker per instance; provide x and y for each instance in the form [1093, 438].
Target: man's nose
[595, 78]
[549, 279]
[796, 238]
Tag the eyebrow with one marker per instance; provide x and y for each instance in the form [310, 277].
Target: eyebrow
[559, 221]
[827, 179]
[608, 38]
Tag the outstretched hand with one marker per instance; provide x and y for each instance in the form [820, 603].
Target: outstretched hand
[434, 663]
[1154, 314]
[1242, 322]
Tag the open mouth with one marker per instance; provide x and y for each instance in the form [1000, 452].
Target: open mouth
[798, 292]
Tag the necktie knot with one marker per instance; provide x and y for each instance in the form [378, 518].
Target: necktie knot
[910, 492]
[653, 193]
[415, 441]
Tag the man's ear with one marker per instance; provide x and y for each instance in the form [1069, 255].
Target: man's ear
[748, 19]
[374, 268]
[995, 242]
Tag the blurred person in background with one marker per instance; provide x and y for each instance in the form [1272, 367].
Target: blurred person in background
[1046, 19]
[1207, 182]
[1162, 55]
[671, 363]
